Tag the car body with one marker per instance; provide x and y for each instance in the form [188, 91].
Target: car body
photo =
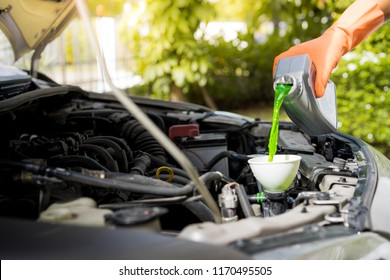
[82, 178]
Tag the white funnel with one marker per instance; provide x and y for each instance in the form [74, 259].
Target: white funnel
[275, 176]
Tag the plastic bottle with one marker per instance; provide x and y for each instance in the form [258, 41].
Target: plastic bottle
[313, 115]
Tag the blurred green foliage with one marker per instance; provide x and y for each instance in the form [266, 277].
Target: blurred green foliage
[363, 82]
[241, 72]
[173, 50]
[160, 35]
[238, 73]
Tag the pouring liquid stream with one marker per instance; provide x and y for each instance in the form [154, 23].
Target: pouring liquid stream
[281, 90]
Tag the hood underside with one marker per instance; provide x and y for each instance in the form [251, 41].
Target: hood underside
[32, 24]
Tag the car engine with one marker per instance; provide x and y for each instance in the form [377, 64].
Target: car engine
[73, 157]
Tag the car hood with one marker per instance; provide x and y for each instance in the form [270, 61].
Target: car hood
[32, 24]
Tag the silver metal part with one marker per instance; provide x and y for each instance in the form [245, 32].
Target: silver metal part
[228, 201]
[329, 181]
[254, 226]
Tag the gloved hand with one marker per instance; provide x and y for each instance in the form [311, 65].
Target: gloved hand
[354, 25]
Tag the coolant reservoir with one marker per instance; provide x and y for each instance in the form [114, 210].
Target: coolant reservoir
[313, 115]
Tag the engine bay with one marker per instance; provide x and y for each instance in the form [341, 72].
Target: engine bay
[72, 157]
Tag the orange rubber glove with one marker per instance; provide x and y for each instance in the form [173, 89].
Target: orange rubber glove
[354, 25]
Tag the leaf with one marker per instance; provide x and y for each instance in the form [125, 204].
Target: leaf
[203, 66]
[178, 76]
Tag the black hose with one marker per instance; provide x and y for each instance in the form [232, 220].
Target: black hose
[210, 177]
[207, 178]
[221, 155]
[28, 166]
[80, 161]
[121, 142]
[200, 210]
[140, 139]
[158, 120]
[244, 201]
[111, 164]
[140, 165]
[130, 183]
[157, 162]
[135, 183]
[118, 152]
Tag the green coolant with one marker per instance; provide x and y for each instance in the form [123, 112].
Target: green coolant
[281, 91]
